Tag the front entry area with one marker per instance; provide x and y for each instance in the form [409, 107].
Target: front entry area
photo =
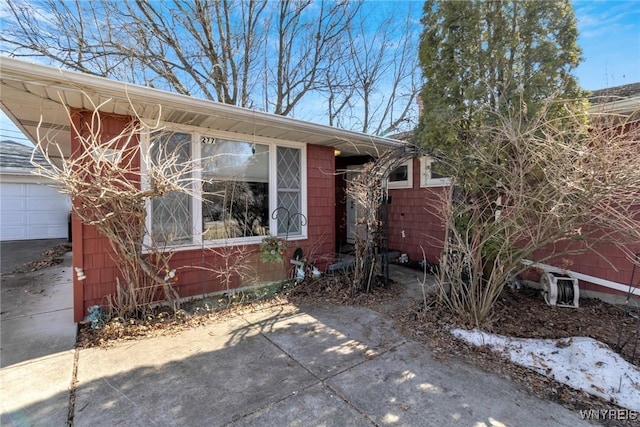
[354, 208]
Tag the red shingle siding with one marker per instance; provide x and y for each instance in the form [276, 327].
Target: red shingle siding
[201, 271]
[340, 195]
[197, 270]
[90, 249]
[321, 205]
[415, 210]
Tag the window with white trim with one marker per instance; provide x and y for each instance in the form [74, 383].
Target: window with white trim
[235, 189]
[289, 191]
[173, 213]
[402, 176]
[237, 185]
[431, 174]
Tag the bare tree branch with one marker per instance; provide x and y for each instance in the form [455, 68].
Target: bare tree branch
[285, 57]
[540, 190]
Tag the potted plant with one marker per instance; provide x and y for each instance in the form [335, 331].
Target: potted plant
[272, 249]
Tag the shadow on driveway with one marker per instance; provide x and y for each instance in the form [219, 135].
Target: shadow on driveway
[15, 254]
[276, 366]
[288, 365]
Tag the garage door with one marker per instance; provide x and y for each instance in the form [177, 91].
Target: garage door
[29, 210]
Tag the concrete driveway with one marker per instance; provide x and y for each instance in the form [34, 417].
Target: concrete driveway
[36, 307]
[15, 254]
[282, 365]
[298, 366]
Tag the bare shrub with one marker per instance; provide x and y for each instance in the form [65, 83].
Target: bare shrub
[234, 265]
[107, 189]
[526, 186]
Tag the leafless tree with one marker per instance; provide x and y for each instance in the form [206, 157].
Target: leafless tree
[382, 73]
[562, 184]
[280, 57]
[305, 45]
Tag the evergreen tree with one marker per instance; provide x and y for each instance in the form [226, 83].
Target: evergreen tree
[484, 59]
[498, 77]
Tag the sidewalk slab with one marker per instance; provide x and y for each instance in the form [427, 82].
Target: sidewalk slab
[287, 365]
[36, 313]
[315, 406]
[206, 376]
[36, 392]
[408, 387]
[38, 335]
[329, 340]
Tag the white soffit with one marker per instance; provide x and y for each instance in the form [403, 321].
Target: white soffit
[33, 94]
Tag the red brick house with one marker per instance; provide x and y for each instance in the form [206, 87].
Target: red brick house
[284, 162]
[302, 154]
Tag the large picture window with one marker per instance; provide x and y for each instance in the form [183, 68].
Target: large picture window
[235, 190]
[236, 187]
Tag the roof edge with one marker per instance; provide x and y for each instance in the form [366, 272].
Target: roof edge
[25, 70]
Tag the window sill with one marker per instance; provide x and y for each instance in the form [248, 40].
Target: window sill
[399, 186]
[223, 243]
[445, 182]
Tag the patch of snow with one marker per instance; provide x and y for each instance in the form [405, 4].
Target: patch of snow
[579, 362]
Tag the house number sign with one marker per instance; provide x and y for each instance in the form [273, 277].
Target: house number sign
[207, 140]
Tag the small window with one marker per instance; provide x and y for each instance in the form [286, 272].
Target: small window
[289, 190]
[172, 213]
[402, 176]
[431, 174]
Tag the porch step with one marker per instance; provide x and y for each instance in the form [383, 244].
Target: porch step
[344, 264]
[394, 255]
[346, 261]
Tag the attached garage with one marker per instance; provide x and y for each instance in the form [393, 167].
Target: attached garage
[30, 208]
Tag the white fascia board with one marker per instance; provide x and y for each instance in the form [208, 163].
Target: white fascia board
[626, 105]
[73, 81]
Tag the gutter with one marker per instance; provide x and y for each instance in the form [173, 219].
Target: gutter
[11, 69]
[623, 105]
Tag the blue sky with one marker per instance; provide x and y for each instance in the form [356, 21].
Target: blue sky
[609, 34]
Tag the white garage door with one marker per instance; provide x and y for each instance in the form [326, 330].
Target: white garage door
[29, 210]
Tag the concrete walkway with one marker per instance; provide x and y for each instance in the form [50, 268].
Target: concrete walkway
[37, 336]
[283, 365]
